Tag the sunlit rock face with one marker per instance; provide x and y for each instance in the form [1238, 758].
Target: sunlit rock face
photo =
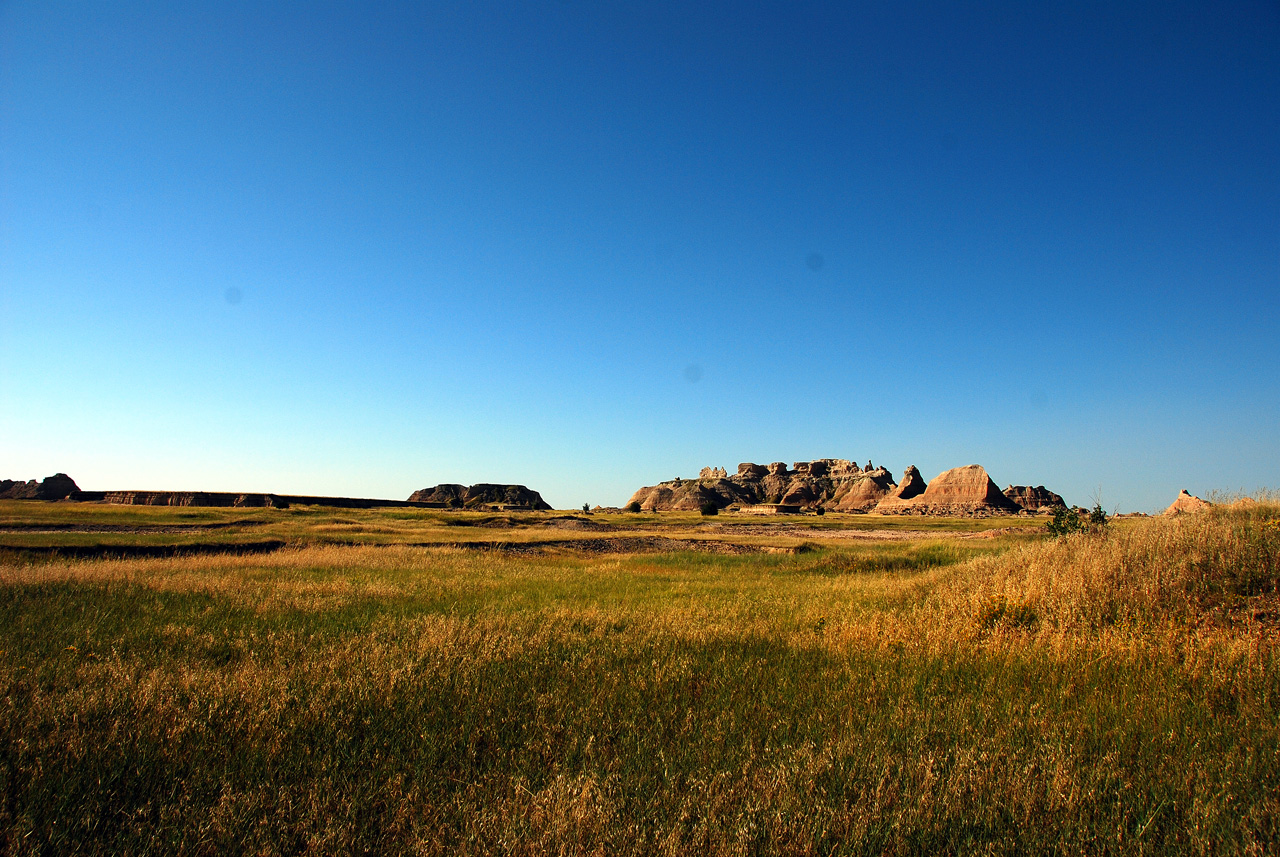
[828, 482]
[1187, 503]
[964, 490]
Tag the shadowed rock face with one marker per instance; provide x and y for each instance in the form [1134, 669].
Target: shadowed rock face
[1187, 503]
[59, 486]
[1034, 499]
[483, 494]
[10, 490]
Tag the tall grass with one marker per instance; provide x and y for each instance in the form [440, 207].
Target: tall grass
[1218, 565]
[864, 700]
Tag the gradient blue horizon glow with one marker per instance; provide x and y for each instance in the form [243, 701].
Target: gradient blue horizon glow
[346, 250]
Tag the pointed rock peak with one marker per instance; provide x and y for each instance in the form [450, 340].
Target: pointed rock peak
[1187, 503]
[912, 485]
[964, 490]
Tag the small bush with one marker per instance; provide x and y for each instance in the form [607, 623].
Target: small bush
[633, 507]
[1072, 520]
[709, 508]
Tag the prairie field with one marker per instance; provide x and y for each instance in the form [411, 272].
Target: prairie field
[405, 681]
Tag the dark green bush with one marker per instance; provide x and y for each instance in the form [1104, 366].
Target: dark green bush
[1075, 520]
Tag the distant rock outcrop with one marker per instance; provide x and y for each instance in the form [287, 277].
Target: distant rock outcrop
[1187, 503]
[833, 482]
[483, 494]
[844, 486]
[1035, 499]
[59, 486]
[964, 490]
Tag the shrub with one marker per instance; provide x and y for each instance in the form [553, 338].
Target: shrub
[709, 508]
[633, 507]
[1072, 520]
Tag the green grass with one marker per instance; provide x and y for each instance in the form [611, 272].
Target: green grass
[854, 698]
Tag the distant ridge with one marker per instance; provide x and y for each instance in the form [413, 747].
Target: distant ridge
[60, 486]
[239, 500]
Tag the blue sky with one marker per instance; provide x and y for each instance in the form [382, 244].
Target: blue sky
[324, 248]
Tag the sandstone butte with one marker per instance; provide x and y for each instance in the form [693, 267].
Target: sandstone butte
[1187, 503]
[841, 485]
[964, 490]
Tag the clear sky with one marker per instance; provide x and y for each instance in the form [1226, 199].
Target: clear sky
[361, 249]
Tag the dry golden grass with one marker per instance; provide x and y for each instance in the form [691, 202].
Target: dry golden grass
[1112, 693]
[1217, 565]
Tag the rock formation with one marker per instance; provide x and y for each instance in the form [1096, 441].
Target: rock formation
[1035, 499]
[842, 485]
[483, 494]
[861, 493]
[1187, 503]
[833, 482]
[913, 485]
[689, 495]
[964, 490]
[59, 486]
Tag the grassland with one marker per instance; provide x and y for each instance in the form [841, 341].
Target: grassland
[408, 681]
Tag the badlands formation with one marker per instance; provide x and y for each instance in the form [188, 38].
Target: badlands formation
[843, 486]
[482, 495]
